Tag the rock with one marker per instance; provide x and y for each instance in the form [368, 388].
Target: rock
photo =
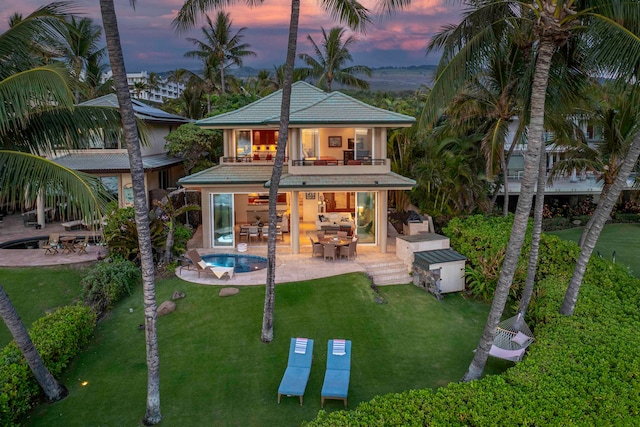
[227, 292]
[166, 308]
[178, 295]
[577, 222]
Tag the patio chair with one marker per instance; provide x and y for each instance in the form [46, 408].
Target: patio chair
[253, 232]
[317, 248]
[338, 373]
[320, 235]
[348, 251]
[329, 250]
[342, 234]
[51, 246]
[83, 245]
[294, 380]
[191, 259]
[244, 232]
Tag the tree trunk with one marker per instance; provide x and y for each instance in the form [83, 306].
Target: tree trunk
[283, 135]
[152, 415]
[505, 205]
[532, 160]
[599, 218]
[51, 387]
[168, 247]
[222, 86]
[527, 292]
[589, 224]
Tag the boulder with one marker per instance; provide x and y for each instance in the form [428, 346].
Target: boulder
[227, 292]
[166, 308]
[178, 295]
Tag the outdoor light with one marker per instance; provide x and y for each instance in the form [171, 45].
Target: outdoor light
[304, 182]
[84, 383]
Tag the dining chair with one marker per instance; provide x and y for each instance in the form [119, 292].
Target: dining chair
[253, 232]
[329, 250]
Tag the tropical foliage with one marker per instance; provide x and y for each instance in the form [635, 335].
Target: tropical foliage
[58, 337]
[594, 351]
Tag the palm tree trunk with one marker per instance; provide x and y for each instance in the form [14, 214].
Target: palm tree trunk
[222, 86]
[112, 35]
[532, 160]
[600, 217]
[503, 165]
[168, 247]
[51, 387]
[589, 224]
[535, 237]
[283, 135]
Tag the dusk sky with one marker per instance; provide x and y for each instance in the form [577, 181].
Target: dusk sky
[150, 43]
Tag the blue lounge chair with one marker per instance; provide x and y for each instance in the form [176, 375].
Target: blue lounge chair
[336, 378]
[295, 378]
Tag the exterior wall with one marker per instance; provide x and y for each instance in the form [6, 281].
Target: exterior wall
[405, 250]
[156, 134]
[452, 274]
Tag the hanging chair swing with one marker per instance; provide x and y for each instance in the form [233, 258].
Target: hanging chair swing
[513, 336]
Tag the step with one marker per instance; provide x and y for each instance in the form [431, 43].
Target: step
[392, 279]
[382, 264]
[386, 272]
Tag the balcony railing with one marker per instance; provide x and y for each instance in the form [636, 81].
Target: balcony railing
[251, 159]
[363, 162]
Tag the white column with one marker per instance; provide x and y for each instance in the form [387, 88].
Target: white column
[382, 220]
[40, 208]
[294, 229]
[574, 176]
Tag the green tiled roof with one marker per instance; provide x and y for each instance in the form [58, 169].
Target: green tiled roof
[113, 162]
[309, 106]
[231, 174]
[261, 174]
[389, 180]
[427, 258]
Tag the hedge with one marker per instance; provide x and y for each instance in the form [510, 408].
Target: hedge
[581, 370]
[59, 336]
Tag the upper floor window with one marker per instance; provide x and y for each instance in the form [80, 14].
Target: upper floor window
[309, 146]
[363, 147]
[243, 143]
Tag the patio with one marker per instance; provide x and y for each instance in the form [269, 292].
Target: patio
[13, 228]
[290, 267]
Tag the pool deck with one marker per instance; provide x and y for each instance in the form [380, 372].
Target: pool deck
[290, 267]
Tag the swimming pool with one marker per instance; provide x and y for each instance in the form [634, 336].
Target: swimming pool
[240, 263]
[34, 242]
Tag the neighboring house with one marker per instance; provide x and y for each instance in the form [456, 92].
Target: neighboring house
[109, 159]
[577, 183]
[337, 167]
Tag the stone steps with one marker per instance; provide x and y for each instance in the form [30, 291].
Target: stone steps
[388, 272]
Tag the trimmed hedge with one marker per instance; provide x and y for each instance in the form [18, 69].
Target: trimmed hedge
[581, 370]
[59, 336]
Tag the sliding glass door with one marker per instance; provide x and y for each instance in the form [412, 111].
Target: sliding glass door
[366, 217]
[222, 224]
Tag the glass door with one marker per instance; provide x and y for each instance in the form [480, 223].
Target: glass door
[366, 217]
[222, 224]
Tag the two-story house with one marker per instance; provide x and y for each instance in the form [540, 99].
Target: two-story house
[337, 173]
[109, 159]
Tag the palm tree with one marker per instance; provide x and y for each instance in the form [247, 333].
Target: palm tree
[221, 44]
[79, 46]
[616, 114]
[612, 161]
[349, 11]
[553, 24]
[152, 414]
[140, 88]
[329, 64]
[38, 117]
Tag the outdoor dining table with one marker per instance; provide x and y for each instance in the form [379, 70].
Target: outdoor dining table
[68, 243]
[335, 240]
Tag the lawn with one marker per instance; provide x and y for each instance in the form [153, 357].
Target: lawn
[215, 370]
[621, 238]
[34, 291]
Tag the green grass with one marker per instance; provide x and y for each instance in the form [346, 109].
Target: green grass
[34, 291]
[215, 370]
[621, 238]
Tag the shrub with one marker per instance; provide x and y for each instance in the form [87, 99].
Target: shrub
[626, 217]
[108, 282]
[58, 337]
[581, 370]
[121, 233]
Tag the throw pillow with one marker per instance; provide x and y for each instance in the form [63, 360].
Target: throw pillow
[520, 338]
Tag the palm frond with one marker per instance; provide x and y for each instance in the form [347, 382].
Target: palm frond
[24, 175]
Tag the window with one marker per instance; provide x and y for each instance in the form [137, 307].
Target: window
[363, 144]
[163, 179]
[309, 143]
[243, 143]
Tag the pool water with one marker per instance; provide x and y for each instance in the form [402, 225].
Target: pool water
[240, 263]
